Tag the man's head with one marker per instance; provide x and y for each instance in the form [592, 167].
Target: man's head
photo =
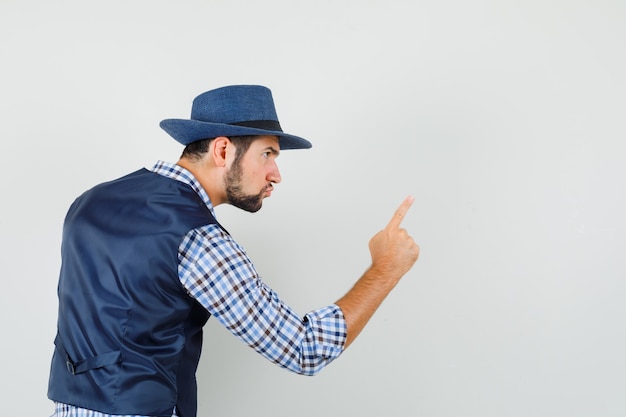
[238, 165]
[239, 170]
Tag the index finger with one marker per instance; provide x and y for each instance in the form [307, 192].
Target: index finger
[398, 216]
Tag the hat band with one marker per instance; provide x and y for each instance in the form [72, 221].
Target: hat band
[260, 124]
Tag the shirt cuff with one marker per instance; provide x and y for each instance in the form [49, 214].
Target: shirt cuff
[329, 326]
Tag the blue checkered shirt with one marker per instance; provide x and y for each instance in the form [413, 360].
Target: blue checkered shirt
[216, 271]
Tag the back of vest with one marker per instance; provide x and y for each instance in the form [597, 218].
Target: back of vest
[129, 336]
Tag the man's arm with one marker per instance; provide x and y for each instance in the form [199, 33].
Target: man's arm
[393, 253]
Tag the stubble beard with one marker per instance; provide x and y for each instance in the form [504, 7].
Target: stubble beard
[235, 194]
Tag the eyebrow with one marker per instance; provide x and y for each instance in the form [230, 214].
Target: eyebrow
[273, 150]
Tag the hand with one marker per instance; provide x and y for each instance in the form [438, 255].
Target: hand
[393, 251]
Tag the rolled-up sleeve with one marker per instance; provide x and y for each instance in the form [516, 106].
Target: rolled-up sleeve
[216, 271]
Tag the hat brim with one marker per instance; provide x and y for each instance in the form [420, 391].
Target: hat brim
[187, 131]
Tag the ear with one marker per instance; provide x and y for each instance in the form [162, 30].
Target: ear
[218, 150]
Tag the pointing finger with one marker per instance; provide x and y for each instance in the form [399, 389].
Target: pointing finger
[398, 216]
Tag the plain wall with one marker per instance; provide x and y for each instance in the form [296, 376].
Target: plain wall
[505, 119]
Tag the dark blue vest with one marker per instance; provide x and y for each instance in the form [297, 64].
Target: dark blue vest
[129, 336]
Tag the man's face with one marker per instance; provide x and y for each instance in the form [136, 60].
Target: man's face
[249, 179]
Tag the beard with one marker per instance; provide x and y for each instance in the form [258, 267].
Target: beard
[235, 194]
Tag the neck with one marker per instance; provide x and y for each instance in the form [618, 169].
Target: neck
[209, 177]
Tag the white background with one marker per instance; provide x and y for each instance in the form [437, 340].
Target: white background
[505, 119]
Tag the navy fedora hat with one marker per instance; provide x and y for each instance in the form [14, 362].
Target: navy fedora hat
[235, 110]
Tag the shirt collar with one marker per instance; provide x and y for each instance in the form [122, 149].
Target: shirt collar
[179, 173]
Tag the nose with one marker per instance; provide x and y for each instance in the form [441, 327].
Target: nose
[274, 173]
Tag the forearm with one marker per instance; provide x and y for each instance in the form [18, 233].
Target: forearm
[362, 301]
[393, 253]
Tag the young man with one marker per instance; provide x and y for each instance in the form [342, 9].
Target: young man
[145, 264]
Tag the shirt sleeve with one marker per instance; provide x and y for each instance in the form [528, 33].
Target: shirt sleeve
[216, 271]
